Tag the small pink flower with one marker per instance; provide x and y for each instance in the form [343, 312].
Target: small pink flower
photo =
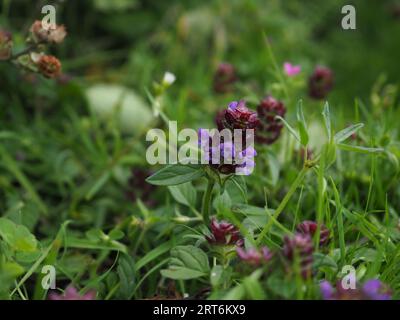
[72, 294]
[290, 69]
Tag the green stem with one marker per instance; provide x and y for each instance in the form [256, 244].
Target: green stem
[283, 204]
[207, 202]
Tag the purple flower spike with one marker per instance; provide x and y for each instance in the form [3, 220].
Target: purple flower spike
[376, 290]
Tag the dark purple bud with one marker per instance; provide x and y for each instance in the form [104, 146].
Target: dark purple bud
[310, 227]
[269, 128]
[300, 245]
[238, 116]
[224, 78]
[320, 82]
[224, 233]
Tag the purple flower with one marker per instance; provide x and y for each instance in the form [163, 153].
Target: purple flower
[269, 128]
[320, 82]
[327, 290]
[72, 294]
[310, 227]
[253, 256]
[371, 290]
[300, 245]
[224, 233]
[376, 290]
[224, 78]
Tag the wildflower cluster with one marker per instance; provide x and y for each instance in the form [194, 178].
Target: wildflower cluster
[371, 290]
[33, 57]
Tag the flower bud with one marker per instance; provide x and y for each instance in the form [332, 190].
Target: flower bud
[320, 82]
[224, 78]
[224, 233]
[238, 116]
[49, 66]
[269, 128]
[6, 45]
[300, 245]
[310, 227]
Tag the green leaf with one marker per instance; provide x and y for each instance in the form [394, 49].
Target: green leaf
[176, 174]
[321, 260]
[347, 132]
[116, 234]
[181, 273]
[304, 138]
[327, 118]
[216, 276]
[184, 194]
[126, 273]
[290, 128]
[187, 262]
[16, 236]
[359, 149]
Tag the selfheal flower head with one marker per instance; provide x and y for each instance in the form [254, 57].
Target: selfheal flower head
[224, 78]
[269, 128]
[72, 294]
[253, 256]
[224, 233]
[300, 245]
[320, 82]
[238, 116]
[291, 70]
[310, 227]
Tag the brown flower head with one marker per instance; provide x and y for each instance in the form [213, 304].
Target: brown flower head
[49, 66]
[52, 34]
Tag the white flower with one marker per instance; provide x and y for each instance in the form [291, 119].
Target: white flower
[169, 78]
